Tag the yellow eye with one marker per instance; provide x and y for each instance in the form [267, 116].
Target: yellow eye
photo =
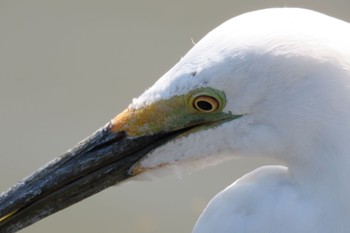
[204, 103]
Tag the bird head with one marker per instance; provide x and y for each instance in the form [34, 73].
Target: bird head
[254, 86]
[243, 84]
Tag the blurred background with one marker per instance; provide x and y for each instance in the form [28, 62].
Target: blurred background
[67, 67]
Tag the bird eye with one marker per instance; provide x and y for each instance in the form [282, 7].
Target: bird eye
[206, 103]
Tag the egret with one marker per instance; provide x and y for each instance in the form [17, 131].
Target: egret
[273, 83]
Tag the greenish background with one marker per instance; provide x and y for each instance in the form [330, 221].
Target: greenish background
[67, 67]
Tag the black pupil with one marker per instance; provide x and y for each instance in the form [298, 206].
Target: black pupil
[204, 105]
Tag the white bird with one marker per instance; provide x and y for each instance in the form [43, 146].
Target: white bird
[273, 83]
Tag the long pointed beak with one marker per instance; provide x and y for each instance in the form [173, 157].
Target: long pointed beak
[98, 162]
[104, 159]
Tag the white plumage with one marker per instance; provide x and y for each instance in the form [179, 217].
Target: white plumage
[287, 71]
[272, 83]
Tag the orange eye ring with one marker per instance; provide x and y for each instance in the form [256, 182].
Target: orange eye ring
[205, 103]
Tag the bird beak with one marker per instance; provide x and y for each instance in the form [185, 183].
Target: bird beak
[98, 162]
[104, 159]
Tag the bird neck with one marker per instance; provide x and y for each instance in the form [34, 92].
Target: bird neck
[324, 176]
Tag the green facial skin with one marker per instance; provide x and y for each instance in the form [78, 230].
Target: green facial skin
[172, 114]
